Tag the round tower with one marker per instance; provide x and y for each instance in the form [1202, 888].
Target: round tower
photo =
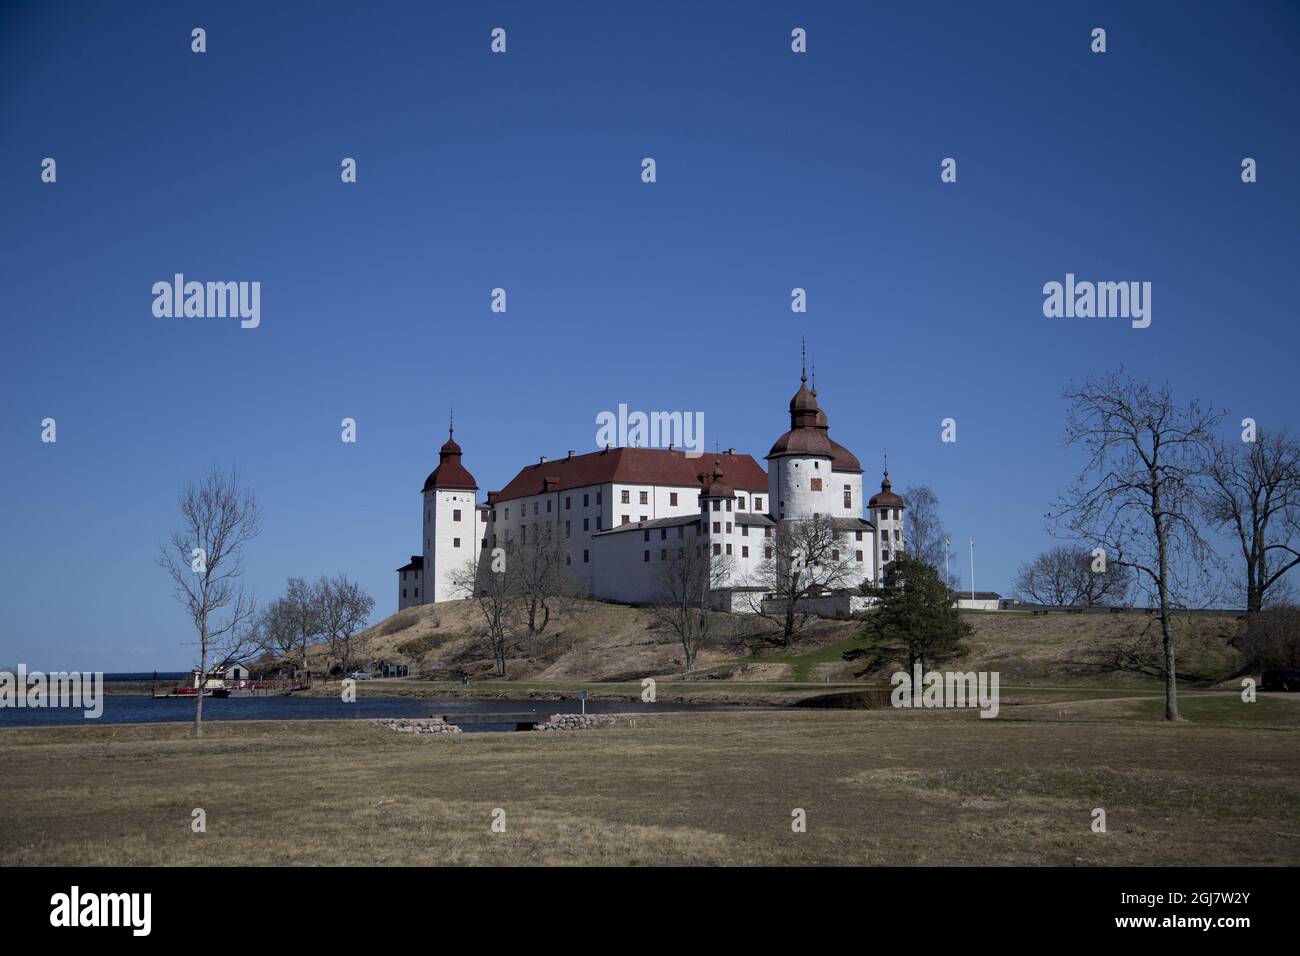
[451, 524]
[799, 480]
[885, 511]
[718, 514]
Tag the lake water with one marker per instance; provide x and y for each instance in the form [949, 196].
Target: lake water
[146, 710]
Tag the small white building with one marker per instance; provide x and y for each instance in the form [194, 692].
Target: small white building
[979, 601]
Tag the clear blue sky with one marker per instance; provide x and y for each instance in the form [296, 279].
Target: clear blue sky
[775, 170]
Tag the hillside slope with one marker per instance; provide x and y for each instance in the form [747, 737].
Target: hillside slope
[611, 642]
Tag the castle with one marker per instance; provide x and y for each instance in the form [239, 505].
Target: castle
[620, 510]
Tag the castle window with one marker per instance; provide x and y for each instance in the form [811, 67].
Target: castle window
[817, 465]
[567, 502]
[647, 556]
[848, 496]
[744, 552]
[455, 514]
[835, 554]
[663, 554]
[568, 559]
[884, 556]
[717, 527]
[645, 535]
[858, 555]
[586, 500]
[494, 514]
[857, 536]
[598, 520]
[586, 524]
[626, 497]
[598, 497]
[585, 556]
[767, 532]
[548, 505]
[815, 484]
[417, 592]
[728, 549]
[895, 514]
[884, 514]
[566, 529]
[645, 497]
[672, 497]
[741, 504]
[663, 534]
[627, 519]
[744, 531]
[717, 549]
[758, 504]
[728, 527]
[644, 518]
[767, 552]
[523, 534]
[681, 531]
[728, 504]
[403, 594]
[717, 505]
[507, 514]
[534, 507]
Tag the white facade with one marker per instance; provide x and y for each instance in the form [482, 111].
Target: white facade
[622, 512]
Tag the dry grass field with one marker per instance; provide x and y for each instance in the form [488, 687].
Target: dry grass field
[878, 787]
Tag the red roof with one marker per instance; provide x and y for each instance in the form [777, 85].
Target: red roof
[632, 466]
[450, 473]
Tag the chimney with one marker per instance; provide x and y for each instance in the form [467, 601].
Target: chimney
[543, 460]
[570, 454]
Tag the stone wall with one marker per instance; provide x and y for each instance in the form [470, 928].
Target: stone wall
[576, 722]
[426, 725]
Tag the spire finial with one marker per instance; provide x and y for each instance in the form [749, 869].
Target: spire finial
[451, 422]
[814, 378]
[803, 360]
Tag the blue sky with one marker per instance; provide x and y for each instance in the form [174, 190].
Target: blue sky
[522, 171]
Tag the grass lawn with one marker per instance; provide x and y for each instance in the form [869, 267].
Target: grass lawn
[878, 787]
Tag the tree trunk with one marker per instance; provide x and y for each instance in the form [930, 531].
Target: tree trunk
[203, 683]
[1171, 674]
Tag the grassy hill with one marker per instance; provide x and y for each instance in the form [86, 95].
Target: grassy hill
[594, 641]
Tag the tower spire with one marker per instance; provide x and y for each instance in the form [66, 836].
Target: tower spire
[451, 422]
[803, 360]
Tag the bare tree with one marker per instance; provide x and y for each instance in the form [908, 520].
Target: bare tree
[345, 607]
[493, 585]
[540, 578]
[301, 607]
[1254, 491]
[278, 624]
[1137, 497]
[927, 540]
[1071, 577]
[686, 581]
[205, 563]
[808, 559]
